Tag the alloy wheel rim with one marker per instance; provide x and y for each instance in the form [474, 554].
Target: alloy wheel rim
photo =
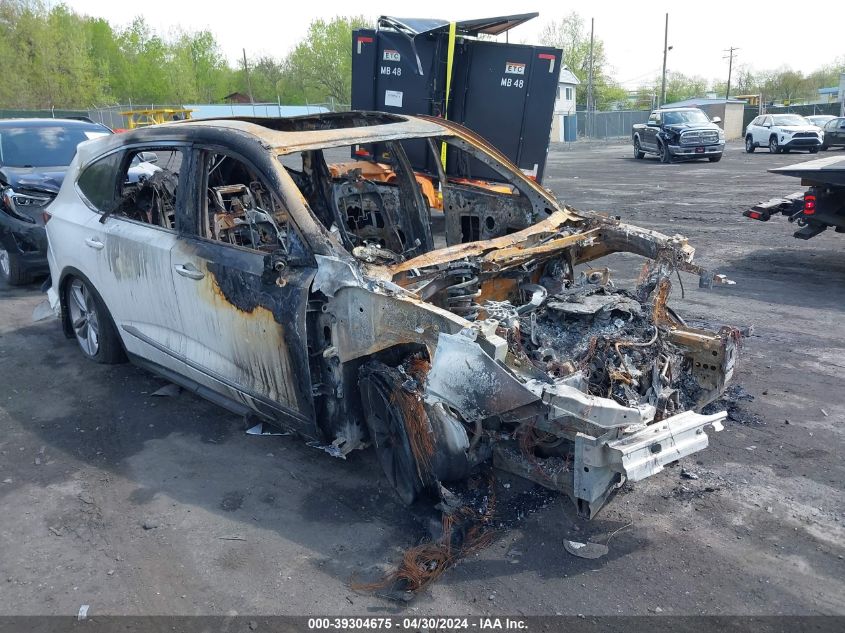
[4, 262]
[84, 318]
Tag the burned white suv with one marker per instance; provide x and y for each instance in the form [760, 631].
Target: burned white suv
[447, 320]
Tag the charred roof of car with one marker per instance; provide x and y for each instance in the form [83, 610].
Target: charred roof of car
[333, 129]
[288, 135]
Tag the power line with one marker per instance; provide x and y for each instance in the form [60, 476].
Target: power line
[648, 73]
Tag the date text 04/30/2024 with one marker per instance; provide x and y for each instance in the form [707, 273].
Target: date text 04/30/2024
[417, 623]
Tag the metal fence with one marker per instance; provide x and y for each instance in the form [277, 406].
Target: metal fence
[46, 113]
[608, 125]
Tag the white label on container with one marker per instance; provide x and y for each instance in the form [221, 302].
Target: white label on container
[393, 98]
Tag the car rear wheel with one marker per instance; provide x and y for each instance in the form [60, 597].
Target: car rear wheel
[715, 159]
[92, 324]
[749, 145]
[11, 270]
[814, 150]
[773, 145]
[638, 152]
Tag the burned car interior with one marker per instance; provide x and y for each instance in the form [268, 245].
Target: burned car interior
[152, 199]
[239, 208]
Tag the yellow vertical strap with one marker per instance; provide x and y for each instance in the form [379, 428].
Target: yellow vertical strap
[450, 56]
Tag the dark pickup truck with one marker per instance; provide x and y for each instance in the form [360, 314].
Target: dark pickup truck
[820, 207]
[679, 133]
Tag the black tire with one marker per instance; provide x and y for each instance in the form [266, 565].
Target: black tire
[388, 431]
[91, 323]
[11, 270]
[814, 150]
[774, 148]
[638, 153]
[823, 147]
[749, 144]
[665, 155]
[715, 159]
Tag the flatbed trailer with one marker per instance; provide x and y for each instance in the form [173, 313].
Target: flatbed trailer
[814, 210]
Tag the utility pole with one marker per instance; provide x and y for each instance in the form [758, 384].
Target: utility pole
[665, 51]
[842, 94]
[730, 58]
[248, 84]
[590, 81]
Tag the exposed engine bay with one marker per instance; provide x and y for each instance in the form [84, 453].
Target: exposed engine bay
[554, 372]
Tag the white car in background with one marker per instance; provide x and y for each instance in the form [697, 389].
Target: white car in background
[781, 133]
[819, 120]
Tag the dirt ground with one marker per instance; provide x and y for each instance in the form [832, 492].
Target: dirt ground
[137, 504]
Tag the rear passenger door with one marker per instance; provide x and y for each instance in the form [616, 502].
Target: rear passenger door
[242, 275]
[131, 241]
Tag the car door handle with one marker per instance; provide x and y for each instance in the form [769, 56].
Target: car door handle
[186, 270]
[93, 242]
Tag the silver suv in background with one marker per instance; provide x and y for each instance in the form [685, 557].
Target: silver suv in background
[782, 133]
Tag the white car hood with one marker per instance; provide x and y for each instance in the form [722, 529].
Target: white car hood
[792, 129]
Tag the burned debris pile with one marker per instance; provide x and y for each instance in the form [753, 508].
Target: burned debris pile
[607, 341]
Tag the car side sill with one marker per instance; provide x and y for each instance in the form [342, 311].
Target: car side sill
[262, 405]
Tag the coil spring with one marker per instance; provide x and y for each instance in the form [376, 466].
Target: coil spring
[461, 295]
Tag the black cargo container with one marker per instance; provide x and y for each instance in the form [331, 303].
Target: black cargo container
[504, 92]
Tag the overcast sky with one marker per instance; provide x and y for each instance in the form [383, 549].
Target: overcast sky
[769, 35]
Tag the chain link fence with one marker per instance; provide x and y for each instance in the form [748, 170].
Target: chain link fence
[609, 125]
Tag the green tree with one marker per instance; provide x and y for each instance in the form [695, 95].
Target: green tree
[786, 85]
[680, 86]
[572, 36]
[321, 65]
[267, 79]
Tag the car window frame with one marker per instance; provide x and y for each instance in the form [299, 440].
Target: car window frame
[81, 171]
[124, 165]
[193, 228]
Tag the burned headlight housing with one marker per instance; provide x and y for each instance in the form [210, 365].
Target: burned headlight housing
[15, 203]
